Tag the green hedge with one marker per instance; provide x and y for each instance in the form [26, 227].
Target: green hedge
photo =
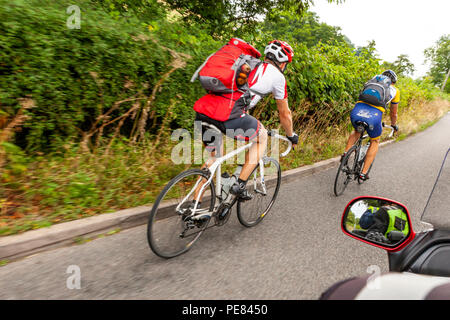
[75, 75]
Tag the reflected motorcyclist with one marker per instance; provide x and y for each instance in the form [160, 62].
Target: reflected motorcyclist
[375, 222]
[381, 222]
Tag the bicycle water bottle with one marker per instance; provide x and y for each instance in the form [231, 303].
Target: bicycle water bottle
[228, 181]
[226, 184]
[363, 151]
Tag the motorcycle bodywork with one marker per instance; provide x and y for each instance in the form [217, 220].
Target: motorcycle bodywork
[426, 252]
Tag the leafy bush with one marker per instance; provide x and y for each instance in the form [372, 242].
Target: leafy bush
[412, 91]
[76, 75]
[117, 72]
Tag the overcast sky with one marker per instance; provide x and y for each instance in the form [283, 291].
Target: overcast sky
[397, 26]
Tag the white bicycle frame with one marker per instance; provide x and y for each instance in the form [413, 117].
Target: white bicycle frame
[216, 167]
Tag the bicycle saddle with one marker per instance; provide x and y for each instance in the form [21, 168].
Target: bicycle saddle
[362, 125]
[211, 126]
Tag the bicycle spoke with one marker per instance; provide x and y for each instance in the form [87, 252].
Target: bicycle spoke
[171, 229]
[251, 212]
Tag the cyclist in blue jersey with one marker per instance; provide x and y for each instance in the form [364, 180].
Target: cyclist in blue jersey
[372, 115]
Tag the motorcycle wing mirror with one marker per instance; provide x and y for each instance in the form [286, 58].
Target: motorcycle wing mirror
[379, 222]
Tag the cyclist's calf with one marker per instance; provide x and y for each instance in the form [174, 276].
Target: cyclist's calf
[371, 153]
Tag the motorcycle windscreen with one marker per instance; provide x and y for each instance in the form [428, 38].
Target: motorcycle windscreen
[437, 211]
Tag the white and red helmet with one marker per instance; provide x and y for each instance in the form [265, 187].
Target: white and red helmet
[281, 50]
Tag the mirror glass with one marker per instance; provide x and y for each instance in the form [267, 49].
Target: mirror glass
[378, 221]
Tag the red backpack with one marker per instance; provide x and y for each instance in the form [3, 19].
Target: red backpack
[227, 70]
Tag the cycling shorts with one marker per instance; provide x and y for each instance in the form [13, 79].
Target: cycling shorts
[244, 128]
[371, 115]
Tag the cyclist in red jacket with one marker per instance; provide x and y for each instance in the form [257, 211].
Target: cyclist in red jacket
[267, 77]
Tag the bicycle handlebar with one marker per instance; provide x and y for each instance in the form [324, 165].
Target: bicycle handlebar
[389, 127]
[274, 134]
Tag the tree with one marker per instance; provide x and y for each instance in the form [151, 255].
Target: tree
[368, 52]
[221, 16]
[402, 66]
[146, 10]
[350, 220]
[304, 29]
[439, 56]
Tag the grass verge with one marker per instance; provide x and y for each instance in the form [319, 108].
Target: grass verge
[41, 191]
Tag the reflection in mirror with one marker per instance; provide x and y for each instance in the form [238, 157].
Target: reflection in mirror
[377, 221]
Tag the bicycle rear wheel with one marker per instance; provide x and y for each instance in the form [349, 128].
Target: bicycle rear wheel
[264, 190]
[346, 171]
[171, 231]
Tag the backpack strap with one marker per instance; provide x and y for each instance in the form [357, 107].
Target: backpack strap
[195, 75]
[223, 96]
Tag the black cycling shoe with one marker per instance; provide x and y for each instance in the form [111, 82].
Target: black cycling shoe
[363, 176]
[240, 191]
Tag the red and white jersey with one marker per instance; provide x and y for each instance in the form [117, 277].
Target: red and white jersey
[264, 80]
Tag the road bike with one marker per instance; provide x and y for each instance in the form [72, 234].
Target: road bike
[353, 161]
[192, 200]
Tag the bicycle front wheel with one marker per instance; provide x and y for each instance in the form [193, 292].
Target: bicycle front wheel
[346, 171]
[264, 190]
[171, 230]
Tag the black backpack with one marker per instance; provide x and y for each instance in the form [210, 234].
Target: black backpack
[376, 91]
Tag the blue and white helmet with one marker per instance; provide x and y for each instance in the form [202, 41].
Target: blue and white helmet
[391, 74]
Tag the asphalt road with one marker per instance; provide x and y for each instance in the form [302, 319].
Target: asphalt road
[295, 253]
